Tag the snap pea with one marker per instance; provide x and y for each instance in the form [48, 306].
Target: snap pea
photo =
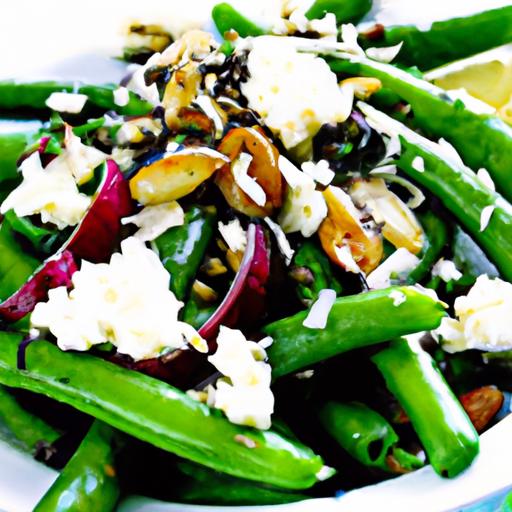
[469, 258]
[227, 18]
[354, 321]
[12, 146]
[482, 140]
[444, 429]
[447, 40]
[363, 433]
[89, 480]
[459, 189]
[157, 413]
[346, 11]
[33, 95]
[312, 271]
[203, 485]
[182, 248]
[436, 236]
[28, 430]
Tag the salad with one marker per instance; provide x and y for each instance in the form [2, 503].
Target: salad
[272, 263]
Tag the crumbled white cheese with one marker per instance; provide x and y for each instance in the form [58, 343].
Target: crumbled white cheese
[485, 216]
[121, 96]
[205, 103]
[295, 93]
[319, 313]
[282, 241]
[398, 297]
[304, 207]
[349, 37]
[344, 255]
[418, 164]
[240, 168]
[123, 157]
[155, 220]
[326, 27]
[385, 54]
[398, 264]
[483, 318]
[234, 235]
[485, 178]
[446, 270]
[68, 102]
[126, 302]
[51, 192]
[244, 394]
[319, 171]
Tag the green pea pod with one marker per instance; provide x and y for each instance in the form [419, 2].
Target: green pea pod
[12, 146]
[447, 40]
[227, 18]
[482, 140]
[182, 248]
[205, 486]
[33, 95]
[346, 11]
[436, 236]
[354, 321]
[444, 429]
[29, 431]
[469, 258]
[16, 266]
[159, 414]
[313, 273]
[459, 189]
[88, 481]
[360, 431]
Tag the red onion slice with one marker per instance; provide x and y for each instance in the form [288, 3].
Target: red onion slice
[55, 271]
[98, 233]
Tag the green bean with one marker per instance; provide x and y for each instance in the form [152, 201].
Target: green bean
[29, 430]
[354, 321]
[346, 11]
[482, 140]
[157, 413]
[227, 18]
[447, 40]
[182, 248]
[363, 433]
[205, 486]
[444, 429]
[88, 481]
[33, 95]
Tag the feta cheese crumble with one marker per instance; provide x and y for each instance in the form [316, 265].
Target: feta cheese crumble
[398, 264]
[121, 96]
[319, 312]
[483, 318]
[126, 302]
[71, 103]
[234, 235]
[50, 192]
[155, 220]
[304, 207]
[295, 93]
[398, 297]
[446, 270]
[244, 394]
[319, 171]
[248, 184]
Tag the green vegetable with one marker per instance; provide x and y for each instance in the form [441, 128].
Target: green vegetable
[89, 481]
[12, 145]
[33, 96]
[16, 266]
[157, 413]
[436, 236]
[448, 40]
[209, 487]
[363, 433]
[28, 430]
[482, 140]
[445, 431]
[469, 258]
[346, 11]
[182, 248]
[459, 189]
[354, 321]
[313, 272]
[227, 18]
[507, 504]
